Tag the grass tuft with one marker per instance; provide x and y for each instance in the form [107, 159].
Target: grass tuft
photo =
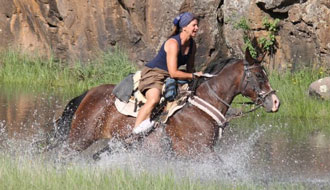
[27, 70]
[19, 173]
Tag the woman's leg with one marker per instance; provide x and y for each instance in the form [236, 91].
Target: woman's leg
[153, 98]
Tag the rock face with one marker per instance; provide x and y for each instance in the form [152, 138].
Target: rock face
[320, 88]
[78, 29]
[303, 37]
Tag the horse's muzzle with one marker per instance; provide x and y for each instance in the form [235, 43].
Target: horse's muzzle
[271, 103]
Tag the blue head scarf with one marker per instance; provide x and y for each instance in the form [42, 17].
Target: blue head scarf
[183, 19]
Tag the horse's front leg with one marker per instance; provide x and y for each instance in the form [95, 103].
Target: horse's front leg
[114, 128]
[191, 133]
[108, 148]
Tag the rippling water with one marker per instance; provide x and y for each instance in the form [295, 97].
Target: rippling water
[260, 152]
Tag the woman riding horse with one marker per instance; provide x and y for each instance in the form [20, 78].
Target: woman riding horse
[178, 50]
[191, 131]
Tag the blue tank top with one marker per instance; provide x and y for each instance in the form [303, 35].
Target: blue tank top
[160, 60]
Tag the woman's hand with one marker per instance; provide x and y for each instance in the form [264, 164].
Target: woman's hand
[197, 74]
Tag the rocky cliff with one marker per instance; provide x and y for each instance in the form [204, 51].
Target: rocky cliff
[78, 29]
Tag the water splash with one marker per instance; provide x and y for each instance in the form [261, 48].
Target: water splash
[230, 163]
[239, 152]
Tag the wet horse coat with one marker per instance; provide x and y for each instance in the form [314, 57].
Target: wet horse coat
[190, 131]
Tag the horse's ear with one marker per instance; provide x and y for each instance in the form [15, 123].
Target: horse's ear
[248, 57]
[261, 57]
[260, 52]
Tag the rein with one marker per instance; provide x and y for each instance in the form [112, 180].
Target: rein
[229, 106]
[247, 75]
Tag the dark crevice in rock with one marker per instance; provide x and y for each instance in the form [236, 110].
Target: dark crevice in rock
[309, 24]
[137, 41]
[211, 51]
[296, 22]
[54, 12]
[220, 13]
[51, 25]
[279, 11]
[271, 13]
[220, 4]
[258, 29]
[304, 33]
[44, 1]
[113, 42]
[284, 6]
[29, 20]
[122, 4]
[289, 3]
[323, 53]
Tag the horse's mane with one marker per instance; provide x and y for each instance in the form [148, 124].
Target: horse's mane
[216, 66]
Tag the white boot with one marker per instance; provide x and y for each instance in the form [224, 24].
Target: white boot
[144, 127]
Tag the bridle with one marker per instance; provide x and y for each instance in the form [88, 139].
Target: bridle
[248, 77]
[216, 114]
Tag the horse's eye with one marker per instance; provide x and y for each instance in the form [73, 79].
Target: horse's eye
[259, 76]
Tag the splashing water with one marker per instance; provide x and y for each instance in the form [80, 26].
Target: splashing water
[259, 155]
[232, 165]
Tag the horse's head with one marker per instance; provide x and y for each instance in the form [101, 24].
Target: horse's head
[255, 85]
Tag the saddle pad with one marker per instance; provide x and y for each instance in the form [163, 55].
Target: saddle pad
[137, 94]
[126, 108]
[170, 109]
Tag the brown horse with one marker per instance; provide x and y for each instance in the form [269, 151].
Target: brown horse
[190, 131]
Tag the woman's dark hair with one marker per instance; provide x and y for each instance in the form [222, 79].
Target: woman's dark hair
[175, 30]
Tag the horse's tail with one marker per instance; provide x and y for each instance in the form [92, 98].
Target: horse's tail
[63, 124]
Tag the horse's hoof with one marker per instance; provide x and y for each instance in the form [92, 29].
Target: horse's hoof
[96, 157]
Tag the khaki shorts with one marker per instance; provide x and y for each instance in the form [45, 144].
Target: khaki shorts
[152, 78]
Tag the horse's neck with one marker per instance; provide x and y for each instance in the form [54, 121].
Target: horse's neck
[223, 85]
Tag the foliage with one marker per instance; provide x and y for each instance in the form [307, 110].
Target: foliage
[244, 25]
[267, 43]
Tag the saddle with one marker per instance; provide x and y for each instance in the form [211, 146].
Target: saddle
[129, 99]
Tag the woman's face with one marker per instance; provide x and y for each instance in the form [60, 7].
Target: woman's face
[192, 28]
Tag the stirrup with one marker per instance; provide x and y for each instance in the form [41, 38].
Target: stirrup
[144, 127]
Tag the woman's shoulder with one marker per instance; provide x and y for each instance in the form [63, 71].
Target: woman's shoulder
[171, 43]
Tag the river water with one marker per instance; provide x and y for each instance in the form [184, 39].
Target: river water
[252, 150]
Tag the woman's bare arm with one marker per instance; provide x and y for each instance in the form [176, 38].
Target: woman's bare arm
[172, 50]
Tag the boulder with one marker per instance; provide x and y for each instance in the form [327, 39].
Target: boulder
[320, 88]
